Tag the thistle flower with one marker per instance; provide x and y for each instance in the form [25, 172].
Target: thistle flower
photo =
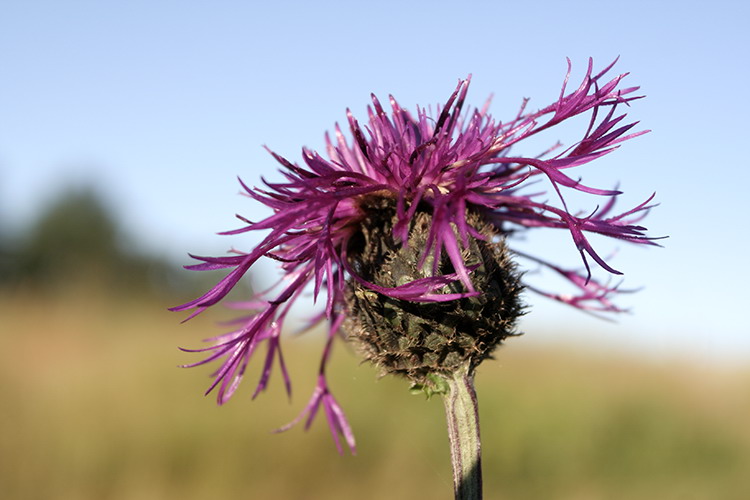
[404, 227]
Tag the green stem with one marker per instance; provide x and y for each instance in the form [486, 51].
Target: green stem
[461, 411]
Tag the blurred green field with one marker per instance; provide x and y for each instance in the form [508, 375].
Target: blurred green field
[93, 407]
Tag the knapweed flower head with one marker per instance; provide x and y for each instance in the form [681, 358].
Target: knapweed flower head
[403, 228]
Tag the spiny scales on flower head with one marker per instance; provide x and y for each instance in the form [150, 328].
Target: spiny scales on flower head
[403, 227]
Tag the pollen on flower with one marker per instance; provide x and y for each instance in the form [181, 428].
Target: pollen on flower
[407, 229]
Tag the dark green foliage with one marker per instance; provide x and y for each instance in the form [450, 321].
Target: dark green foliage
[76, 241]
[76, 235]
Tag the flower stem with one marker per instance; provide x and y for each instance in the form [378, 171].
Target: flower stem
[461, 411]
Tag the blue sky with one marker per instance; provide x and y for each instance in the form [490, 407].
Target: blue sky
[161, 105]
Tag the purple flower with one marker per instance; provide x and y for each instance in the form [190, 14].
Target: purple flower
[455, 163]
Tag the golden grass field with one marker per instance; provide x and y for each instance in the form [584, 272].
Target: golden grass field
[93, 407]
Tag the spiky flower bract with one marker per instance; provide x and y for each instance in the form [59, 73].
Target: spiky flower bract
[453, 175]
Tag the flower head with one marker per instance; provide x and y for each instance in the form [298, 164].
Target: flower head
[407, 220]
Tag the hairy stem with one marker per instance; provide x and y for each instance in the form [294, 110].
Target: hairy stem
[461, 411]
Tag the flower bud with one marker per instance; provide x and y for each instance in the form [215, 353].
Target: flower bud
[421, 339]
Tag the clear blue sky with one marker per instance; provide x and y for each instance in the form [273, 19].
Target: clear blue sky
[162, 104]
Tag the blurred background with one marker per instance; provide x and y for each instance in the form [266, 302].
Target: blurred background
[123, 129]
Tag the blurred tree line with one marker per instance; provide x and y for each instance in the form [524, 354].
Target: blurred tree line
[76, 242]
